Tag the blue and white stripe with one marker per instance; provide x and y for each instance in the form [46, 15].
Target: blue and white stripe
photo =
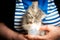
[19, 12]
[52, 17]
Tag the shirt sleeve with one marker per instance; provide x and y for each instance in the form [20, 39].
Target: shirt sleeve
[52, 17]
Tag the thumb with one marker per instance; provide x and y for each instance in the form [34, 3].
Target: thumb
[47, 27]
[44, 27]
[36, 37]
[42, 37]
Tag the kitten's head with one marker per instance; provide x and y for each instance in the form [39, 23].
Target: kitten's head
[33, 17]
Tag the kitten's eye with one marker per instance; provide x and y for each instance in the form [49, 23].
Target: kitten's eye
[30, 17]
[29, 22]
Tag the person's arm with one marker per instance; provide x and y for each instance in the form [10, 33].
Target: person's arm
[9, 34]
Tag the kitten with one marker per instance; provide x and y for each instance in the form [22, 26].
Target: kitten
[32, 20]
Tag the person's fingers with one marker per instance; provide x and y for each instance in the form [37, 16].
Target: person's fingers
[30, 36]
[47, 27]
[44, 27]
[42, 37]
[51, 27]
[22, 37]
[36, 37]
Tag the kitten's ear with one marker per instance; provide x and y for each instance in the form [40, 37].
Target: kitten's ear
[28, 14]
[25, 18]
[40, 14]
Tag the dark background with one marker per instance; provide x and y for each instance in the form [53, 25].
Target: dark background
[57, 2]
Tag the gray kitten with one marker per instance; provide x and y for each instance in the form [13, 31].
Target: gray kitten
[32, 20]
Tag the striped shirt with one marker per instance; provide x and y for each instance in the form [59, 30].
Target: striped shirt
[19, 12]
[52, 17]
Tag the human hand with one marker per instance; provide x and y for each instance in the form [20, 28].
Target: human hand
[52, 34]
[33, 37]
[18, 37]
[8, 34]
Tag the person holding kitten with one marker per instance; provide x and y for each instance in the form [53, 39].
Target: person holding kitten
[8, 31]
